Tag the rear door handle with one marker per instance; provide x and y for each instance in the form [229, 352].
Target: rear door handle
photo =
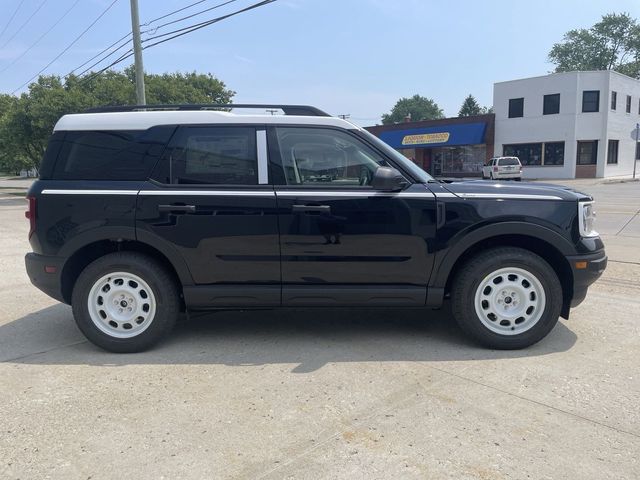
[177, 208]
[311, 208]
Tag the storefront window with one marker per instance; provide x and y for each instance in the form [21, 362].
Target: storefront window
[528, 153]
[465, 160]
[554, 153]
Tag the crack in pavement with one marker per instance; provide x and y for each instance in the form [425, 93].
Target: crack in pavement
[21, 357]
[427, 389]
[628, 222]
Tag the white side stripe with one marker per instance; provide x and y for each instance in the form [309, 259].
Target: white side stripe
[51, 191]
[445, 195]
[509, 196]
[302, 193]
[211, 193]
[368, 193]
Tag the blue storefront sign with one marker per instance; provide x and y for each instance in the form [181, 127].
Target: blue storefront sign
[446, 135]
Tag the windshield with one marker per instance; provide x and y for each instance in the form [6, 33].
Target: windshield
[407, 164]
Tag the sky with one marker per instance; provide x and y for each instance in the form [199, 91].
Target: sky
[355, 57]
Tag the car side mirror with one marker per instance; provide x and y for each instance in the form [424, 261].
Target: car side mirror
[388, 179]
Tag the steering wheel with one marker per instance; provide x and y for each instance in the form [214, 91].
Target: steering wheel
[365, 177]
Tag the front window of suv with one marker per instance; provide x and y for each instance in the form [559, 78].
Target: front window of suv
[322, 156]
[419, 174]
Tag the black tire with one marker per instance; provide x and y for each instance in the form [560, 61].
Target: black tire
[468, 281]
[163, 288]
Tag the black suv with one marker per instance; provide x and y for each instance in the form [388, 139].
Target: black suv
[143, 212]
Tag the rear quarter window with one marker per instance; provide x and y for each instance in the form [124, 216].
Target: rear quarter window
[111, 154]
[56, 142]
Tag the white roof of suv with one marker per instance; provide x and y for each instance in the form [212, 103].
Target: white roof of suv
[141, 120]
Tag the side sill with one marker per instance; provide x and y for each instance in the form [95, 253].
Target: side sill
[353, 295]
[216, 296]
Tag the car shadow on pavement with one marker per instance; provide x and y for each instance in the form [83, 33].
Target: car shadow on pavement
[305, 337]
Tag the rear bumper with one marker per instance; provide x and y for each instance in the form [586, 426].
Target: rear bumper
[46, 280]
[586, 270]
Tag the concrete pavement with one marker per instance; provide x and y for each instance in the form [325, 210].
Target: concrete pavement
[349, 394]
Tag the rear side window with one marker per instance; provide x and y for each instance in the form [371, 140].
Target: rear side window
[506, 162]
[111, 155]
[56, 142]
[210, 155]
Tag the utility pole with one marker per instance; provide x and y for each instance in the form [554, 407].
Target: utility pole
[137, 51]
[637, 152]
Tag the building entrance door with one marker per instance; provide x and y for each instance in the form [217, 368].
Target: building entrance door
[587, 159]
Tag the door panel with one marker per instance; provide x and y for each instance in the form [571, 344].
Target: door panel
[230, 236]
[359, 238]
[341, 241]
[208, 199]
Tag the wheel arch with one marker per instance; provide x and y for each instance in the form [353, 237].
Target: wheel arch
[92, 251]
[545, 243]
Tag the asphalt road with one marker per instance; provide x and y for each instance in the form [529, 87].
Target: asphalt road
[347, 394]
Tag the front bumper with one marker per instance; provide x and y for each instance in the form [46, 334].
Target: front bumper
[45, 272]
[586, 270]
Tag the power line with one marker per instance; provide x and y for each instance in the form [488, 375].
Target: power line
[124, 40]
[184, 32]
[144, 24]
[68, 46]
[13, 15]
[13, 62]
[24, 24]
[192, 15]
[172, 13]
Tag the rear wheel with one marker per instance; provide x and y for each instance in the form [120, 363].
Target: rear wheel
[506, 298]
[125, 302]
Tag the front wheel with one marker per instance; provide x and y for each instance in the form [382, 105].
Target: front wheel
[506, 298]
[125, 302]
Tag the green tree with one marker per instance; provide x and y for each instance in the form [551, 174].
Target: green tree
[611, 44]
[418, 107]
[26, 122]
[469, 107]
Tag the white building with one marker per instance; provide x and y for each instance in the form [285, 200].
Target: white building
[566, 125]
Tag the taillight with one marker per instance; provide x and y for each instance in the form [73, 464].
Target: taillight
[495, 169]
[31, 214]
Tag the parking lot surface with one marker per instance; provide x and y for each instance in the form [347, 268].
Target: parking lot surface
[330, 394]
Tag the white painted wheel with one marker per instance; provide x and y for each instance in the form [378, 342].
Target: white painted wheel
[510, 301]
[121, 305]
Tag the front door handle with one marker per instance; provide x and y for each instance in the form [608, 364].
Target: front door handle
[177, 208]
[311, 208]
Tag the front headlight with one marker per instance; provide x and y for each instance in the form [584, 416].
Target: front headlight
[586, 219]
